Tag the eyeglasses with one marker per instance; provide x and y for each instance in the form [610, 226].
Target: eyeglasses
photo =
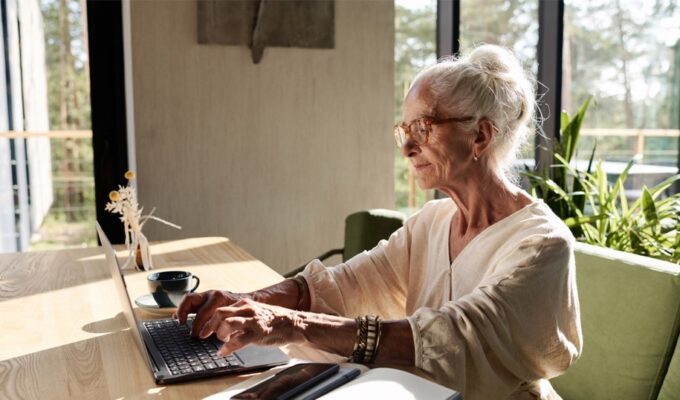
[419, 130]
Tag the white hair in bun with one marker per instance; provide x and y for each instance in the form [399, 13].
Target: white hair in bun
[488, 82]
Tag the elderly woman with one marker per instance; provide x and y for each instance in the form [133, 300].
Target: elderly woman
[478, 289]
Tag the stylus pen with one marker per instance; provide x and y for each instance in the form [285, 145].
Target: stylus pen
[333, 383]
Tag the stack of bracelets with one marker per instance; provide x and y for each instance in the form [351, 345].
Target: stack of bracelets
[368, 340]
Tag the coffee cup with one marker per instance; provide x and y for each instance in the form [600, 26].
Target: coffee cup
[168, 287]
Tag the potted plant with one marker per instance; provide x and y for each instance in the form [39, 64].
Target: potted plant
[598, 211]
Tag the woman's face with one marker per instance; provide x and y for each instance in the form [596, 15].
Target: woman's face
[446, 159]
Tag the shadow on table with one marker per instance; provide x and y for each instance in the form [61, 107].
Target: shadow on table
[108, 325]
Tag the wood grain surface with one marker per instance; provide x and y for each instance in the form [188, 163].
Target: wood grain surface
[63, 335]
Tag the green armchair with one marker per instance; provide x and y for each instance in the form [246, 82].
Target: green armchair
[630, 314]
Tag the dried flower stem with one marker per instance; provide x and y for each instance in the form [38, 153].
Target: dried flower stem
[124, 202]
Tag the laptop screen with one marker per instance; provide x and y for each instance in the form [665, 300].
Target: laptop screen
[121, 288]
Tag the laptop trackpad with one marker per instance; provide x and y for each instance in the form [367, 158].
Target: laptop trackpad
[252, 354]
[257, 355]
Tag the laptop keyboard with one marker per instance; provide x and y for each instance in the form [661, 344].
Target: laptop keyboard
[184, 354]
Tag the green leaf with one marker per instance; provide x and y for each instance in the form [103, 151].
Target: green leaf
[658, 189]
[576, 221]
[624, 202]
[572, 130]
[592, 156]
[635, 242]
[618, 188]
[591, 234]
[578, 188]
[648, 208]
[574, 172]
[602, 190]
[564, 119]
[559, 176]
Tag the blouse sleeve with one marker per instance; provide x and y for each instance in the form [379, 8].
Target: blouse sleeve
[522, 327]
[370, 282]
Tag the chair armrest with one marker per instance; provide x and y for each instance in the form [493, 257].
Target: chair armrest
[322, 257]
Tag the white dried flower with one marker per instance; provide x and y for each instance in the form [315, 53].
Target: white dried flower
[124, 202]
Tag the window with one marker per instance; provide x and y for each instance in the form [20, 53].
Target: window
[626, 54]
[47, 185]
[415, 48]
[70, 221]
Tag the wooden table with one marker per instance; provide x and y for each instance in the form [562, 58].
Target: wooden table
[63, 334]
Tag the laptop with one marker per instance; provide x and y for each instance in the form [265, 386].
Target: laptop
[171, 353]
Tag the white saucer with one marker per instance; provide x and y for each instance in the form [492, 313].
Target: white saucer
[148, 304]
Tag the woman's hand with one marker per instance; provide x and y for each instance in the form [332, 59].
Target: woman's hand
[247, 321]
[204, 305]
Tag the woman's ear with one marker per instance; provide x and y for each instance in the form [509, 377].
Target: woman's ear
[485, 131]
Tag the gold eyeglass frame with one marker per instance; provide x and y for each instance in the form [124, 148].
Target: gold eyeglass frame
[401, 138]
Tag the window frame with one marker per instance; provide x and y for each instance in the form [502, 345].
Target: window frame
[549, 59]
[107, 96]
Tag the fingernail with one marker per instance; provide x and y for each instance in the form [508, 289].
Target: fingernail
[204, 332]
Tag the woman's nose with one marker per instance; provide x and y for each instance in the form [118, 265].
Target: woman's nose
[410, 148]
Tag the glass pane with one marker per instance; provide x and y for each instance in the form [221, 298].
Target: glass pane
[509, 23]
[46, 168]
[414, 48]
[626, 54]
[70, 221]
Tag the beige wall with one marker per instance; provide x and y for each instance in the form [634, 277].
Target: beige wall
[273, 155]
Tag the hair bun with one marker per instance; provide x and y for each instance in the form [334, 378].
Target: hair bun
[494, 59]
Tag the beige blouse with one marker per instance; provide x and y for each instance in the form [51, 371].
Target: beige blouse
[494, 324]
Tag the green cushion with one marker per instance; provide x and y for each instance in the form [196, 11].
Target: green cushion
[630, 316]
[670, 390]
[364, 229]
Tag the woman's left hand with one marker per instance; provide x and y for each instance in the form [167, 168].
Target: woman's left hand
[250, 322]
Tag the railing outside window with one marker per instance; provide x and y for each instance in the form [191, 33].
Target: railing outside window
[70, 219]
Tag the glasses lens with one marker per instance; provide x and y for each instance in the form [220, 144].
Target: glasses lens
[419, 131]
[399, 136]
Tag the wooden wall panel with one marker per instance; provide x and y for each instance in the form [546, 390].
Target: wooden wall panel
[273, 155]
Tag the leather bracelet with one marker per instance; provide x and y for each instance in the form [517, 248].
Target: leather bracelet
[377, 340]
[359, 350]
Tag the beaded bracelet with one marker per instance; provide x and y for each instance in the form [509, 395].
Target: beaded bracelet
[373, 338]
[368, 339]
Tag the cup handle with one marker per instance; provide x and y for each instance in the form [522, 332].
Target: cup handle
[196, 285]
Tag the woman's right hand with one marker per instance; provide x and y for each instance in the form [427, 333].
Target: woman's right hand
[204, 305]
